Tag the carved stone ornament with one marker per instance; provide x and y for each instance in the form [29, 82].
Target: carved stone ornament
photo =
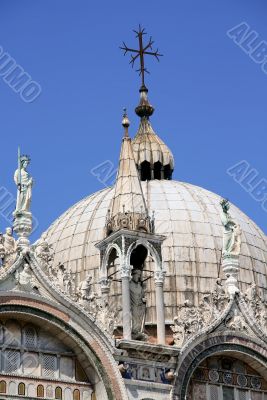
[8, 248]
[25, 280]
[256, 305]
[44, 254]
[191, 319]
[65, 280]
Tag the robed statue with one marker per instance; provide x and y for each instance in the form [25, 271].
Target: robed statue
[232, 232]
[24, 184]
[138, 305]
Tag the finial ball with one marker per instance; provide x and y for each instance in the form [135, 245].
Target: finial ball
[125, 120]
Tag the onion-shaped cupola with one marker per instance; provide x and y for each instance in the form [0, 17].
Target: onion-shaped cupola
[154, 160]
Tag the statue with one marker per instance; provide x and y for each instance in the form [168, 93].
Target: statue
[85, 290]
[64, 280]
[219, 296]
[138, 305]
[9, 246]
[251, 293]
[24, 184]
[25, 280]
[43, 253]
[232, 231]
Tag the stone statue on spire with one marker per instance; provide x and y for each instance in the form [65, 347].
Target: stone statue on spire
[24, 184]
[22, 215]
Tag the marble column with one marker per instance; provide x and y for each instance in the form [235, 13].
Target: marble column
[126, 303]
[159, 280]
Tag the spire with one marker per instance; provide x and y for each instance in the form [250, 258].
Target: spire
[128, 207]
[153, 158]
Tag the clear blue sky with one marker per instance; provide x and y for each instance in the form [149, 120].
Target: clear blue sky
[210, 97]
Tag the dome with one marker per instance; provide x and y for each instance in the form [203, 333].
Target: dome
[147, 146]
[189, 217]
[153, 158]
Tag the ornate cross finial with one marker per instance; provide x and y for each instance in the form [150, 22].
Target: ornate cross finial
[141, 52]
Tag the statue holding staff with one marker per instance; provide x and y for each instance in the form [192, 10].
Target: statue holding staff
[24, 184]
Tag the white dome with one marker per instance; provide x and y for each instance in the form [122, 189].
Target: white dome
[189, 217]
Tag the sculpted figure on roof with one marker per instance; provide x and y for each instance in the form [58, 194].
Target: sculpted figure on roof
[24, 184]
[232, 231]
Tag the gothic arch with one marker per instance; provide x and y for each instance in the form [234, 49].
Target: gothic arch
[104, 264]
[238, 346]
[150, 248]
[90, 352]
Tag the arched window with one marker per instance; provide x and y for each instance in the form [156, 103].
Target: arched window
[58, 393]
[40, 391]
[145, 171]
[76, 394]
[167, 172]
[2, 387]
[157, 170]
[21, 389]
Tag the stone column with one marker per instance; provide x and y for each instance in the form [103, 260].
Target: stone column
[126, 303]
[159, 280]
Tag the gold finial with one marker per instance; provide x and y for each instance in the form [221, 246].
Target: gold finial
[125, 123]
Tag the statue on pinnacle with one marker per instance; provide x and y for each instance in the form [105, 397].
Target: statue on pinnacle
[24, 184]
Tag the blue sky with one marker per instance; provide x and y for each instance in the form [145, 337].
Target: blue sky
[209, 95]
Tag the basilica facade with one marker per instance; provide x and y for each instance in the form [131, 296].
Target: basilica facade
[151, 289]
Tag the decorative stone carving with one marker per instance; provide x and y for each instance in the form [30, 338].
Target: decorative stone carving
[85, 293]
[106, 313]
[136, 221]
[138, 305]
[65, 280]
[44, 254]
[257, 306]
[9, 247]
[191, 319]
[235, 321]
[25, 280]
[159, 277]
[188, 321]
[2, 250]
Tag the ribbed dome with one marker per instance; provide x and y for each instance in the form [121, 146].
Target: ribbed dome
[189, 217]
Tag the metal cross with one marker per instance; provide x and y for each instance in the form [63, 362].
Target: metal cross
[141, 52]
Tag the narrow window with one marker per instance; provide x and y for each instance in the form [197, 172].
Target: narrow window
[58, 393]
[40, 391]
[2, 387]
[21, 389]
[76, 394]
